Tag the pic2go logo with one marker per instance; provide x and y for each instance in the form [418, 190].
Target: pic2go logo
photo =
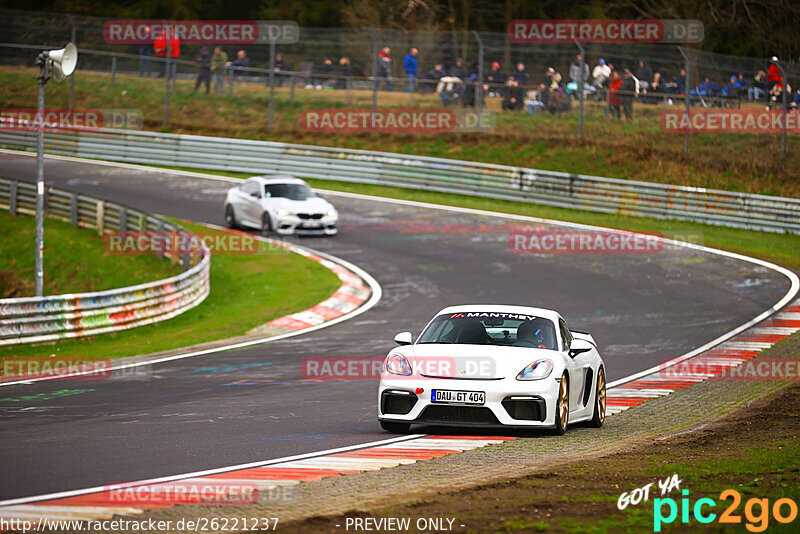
[756, 511]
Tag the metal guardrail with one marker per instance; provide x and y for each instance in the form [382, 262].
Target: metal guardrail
[591, 193]
[36, 319]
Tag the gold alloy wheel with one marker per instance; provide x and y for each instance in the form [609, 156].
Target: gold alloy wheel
[563, 403]
[601, 395]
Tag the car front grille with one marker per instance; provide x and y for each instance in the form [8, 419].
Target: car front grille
[310, 215]
[458, 414]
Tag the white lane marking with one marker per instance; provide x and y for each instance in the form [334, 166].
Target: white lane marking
[647, 393]
[200, 474]
[773, 330]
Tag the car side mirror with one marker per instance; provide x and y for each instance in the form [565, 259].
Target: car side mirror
[403, 338]
[579, 346]
[255, 194]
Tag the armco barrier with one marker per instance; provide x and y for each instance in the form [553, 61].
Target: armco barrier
[34, 319]
[607, 195]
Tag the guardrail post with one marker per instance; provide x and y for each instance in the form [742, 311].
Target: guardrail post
[73, 209]
[186, 262]
[142, 222]
[160, 232]
[123, 220]
[113, 70]
[100, 217]
[12, 198]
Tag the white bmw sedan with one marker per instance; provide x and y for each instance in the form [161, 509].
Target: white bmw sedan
[281, 204]
[493, 366]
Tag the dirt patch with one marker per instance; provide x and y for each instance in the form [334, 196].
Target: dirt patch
[12, 287]
[755, 450]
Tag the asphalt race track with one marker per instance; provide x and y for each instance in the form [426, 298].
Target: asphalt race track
[219, 410]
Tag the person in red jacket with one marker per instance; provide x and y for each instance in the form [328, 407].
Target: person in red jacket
[614, 101]
[774, 78]
[160, 49]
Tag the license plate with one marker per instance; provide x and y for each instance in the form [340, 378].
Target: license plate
[311, 225]
[446, 396]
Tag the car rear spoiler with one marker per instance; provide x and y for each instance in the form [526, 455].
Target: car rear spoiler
[583, 335]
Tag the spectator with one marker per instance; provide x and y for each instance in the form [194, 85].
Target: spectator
[281, 67]
[601, 74]
[579, 70]
[548, 77]
[204, 74]
[495, 77]
[459, 70]
[160, 50]
[473, 91]
[145, 52]
[446, 84]
[628, 88]
[513, 97]
[678, 84]
[732, 88]
[759, 88]
[454, 94]
[435, 74]
[345, 70]
[644, 75]
[533, 101]
[557, 100]
[242, 62]
[174, 53]
[325, 71]
[774, 78]
[614, 102]
[743, 83]
[218, 62]
[384, 68]
[521, 75]
[655, 87]
[708, 88]
[410, 65]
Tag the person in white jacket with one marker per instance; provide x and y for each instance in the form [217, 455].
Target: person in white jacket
[601, 73]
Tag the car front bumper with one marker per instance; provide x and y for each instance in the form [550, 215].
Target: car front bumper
[291, 224]
[508, 403]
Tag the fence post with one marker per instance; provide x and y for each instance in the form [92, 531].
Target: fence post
[230, 72]
[580, 90]
[12, 198]
[688, 102]
[113, 70]
[374, 75]
[73, 36]
[73, 209]
[347, 82]
[291, 91]
[270, 124]
[479, 87]
[784, 95]
[167, 72]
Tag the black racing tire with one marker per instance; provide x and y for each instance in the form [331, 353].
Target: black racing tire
[230, 217]
[599, 416]
[562, 406]
[396, 428]
[266, 223]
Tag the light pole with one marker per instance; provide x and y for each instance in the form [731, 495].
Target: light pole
[57, 64]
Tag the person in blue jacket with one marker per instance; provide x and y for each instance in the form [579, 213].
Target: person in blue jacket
[410, 64]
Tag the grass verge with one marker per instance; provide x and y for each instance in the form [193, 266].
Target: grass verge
[75, 260]
[640, 150]
[246, 291]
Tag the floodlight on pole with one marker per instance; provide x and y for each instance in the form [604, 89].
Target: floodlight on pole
[56, 64]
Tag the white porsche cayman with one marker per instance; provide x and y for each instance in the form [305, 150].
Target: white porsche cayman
[281, 204]
[493, 366]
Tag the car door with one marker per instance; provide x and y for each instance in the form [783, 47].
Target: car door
[251, 203]
[577, 368]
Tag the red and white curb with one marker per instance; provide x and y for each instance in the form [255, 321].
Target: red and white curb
[709, 364]
[106, 503]
[352, 294]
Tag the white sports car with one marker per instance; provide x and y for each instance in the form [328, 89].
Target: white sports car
[281, 204]
[493, 366]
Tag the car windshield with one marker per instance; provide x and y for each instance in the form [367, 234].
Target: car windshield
[478, 328]
[290, 191]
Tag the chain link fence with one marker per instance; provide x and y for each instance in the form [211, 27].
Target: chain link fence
[482, 72]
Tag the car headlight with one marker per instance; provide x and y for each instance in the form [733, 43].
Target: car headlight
[331, 213]
[537, 370]
[284, 213]
[397, 364]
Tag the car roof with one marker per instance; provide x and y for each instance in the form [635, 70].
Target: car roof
[495, 308]
[276, 179]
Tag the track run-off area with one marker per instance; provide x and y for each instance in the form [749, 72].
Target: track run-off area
[251, 404]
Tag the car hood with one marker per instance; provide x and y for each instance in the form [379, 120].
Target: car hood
[310, 205]
[475, 362]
